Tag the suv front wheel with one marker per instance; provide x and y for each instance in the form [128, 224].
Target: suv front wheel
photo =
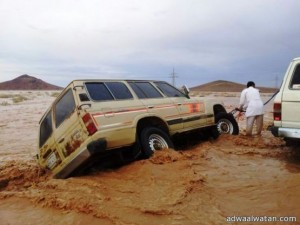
[226, 124]
[153, 139]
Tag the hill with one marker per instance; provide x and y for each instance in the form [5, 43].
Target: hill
[26, 82]
[227, 86]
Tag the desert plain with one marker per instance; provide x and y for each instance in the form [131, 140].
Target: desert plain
[202, 182]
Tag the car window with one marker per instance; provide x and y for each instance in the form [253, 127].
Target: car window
[45, 129]
[64, 107]
[145, 90]
[169, 90]
[119, 90]
[98, 91]
[295, 82]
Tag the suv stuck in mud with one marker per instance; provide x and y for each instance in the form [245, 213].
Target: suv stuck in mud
[91, 118]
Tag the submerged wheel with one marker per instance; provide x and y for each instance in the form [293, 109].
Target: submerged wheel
[226, 124]
[153, 139]
[214, 132]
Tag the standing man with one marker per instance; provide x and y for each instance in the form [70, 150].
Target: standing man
[251, 101]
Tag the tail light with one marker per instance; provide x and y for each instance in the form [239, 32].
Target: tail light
[89, 124]
[277, 111]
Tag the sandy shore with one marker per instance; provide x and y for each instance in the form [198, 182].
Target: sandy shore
[204, 183]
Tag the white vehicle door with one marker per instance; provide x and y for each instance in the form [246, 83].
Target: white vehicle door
[291, 99]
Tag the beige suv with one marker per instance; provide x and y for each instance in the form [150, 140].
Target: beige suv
[91, 118]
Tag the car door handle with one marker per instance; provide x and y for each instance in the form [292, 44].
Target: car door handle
[61, 140]
[150, 106]
[179, 104]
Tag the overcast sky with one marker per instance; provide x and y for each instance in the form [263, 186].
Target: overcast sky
[203, 40]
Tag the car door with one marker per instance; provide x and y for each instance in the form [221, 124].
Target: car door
[70, 132]
[49, 157]
[114, 111]
[157, 104]
[192, 111]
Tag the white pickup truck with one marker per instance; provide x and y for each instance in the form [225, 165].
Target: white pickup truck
[287, 104]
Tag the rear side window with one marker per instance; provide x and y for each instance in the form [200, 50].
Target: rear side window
[119, 90]
[64, 107]
[45, 129]
[99, 92]
[169, 90]
[108, 91]
[145, 90]
[295, 82]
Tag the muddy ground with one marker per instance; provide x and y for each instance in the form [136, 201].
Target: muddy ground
[207, 182]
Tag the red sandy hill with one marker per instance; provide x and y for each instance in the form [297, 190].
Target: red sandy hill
[26, 82]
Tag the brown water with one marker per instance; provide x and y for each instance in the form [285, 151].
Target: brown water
[202, 184]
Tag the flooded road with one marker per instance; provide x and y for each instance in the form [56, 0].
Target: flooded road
[232, 176]
[212, 182]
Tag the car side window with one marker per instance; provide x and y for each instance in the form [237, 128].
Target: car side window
[46, 129]
[145, 90]
[295, 82]
[98, 91]
[169, 90]
[64, 107]
[119, 90]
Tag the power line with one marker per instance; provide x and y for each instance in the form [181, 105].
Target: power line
[173, 76]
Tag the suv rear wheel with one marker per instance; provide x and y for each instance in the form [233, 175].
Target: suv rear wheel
[153, 139]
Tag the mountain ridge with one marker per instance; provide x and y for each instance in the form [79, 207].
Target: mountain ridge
[228, 86]
[26, 82]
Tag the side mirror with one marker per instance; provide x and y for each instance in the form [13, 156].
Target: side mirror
[186, 90]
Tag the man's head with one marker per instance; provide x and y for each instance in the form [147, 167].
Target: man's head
[250, 84]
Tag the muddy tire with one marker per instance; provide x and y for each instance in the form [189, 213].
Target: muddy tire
[132, 153]
[226, 124]
[214, 132]
[153, 139]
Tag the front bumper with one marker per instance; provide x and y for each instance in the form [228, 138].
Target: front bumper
[93, 148]
[292, 133]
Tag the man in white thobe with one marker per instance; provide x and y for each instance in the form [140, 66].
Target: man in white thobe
[251, 102]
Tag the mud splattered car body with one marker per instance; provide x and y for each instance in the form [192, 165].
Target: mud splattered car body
[93, 117]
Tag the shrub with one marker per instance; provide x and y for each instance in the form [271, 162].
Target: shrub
[19, 98]
[5, 103]
[6, 96]
[55, 94]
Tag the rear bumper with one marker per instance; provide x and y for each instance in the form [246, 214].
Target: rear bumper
[286, 132]
[82, 158]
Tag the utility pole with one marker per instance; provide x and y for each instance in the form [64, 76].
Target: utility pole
[173, 76]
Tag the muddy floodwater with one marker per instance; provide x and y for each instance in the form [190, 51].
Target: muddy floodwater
[231, 180]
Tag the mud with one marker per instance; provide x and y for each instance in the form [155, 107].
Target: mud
[204, 183]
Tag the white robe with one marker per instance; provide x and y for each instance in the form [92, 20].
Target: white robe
[251, 101]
